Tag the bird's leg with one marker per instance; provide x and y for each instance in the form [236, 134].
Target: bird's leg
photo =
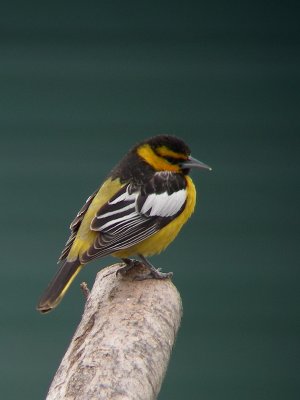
[129, 264]
[153, 272]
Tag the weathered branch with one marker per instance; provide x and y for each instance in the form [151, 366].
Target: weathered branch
[122, 345]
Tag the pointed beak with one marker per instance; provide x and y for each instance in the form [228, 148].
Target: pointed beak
[192, 162]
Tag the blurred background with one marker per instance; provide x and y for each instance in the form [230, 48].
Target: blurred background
[81, 82]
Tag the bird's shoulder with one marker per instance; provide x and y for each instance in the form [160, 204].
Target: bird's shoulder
[163, 195]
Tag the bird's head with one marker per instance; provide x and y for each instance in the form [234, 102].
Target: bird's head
[168, 153]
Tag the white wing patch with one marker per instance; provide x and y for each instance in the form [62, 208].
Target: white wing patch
[130, 218]
[116, 221]
[123, 209]
[123, 214]
[110, 213]
[164, 204]
[124, 197]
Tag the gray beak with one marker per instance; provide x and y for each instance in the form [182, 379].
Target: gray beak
[194, 163]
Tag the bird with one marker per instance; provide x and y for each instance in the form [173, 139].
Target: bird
[137, 212]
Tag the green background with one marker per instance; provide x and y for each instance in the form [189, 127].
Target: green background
[81, 82]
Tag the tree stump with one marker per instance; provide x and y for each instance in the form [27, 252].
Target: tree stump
[123, 343]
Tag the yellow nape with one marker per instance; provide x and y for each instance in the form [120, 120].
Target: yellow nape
[156, 161]
[160, 240]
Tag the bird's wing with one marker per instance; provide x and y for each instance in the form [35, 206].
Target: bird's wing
[134, 214]
[75, 224]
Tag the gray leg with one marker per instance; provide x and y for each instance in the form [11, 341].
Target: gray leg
[153, 272]
[129, 264]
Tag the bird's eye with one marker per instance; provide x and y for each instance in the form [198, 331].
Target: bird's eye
[174, 160]
[171, 160]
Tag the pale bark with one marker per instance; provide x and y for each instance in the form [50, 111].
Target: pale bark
[122, 345]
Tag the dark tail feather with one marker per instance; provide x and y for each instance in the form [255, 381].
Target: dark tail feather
[58, 286]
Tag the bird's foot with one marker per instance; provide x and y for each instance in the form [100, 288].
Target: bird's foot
[153, 272]
[129, 265]
[145, 269]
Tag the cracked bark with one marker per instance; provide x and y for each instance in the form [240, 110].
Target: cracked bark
[123, 343]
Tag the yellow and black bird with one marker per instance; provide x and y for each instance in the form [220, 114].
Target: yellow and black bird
[138, 211]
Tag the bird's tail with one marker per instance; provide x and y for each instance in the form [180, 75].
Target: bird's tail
[59, 285]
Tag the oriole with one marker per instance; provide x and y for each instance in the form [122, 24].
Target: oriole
[138, 211]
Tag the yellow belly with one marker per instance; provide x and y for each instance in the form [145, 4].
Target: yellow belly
[160, 240]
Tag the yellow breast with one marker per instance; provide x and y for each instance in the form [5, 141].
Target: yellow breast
[160, 240]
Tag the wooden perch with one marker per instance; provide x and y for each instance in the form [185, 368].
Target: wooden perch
[122, 345]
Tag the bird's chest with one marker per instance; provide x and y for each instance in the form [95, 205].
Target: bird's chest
[161, 239]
